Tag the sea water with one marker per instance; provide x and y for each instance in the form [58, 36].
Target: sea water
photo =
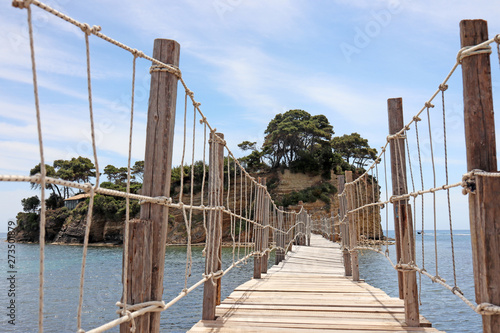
[103, 285]
[440, 306]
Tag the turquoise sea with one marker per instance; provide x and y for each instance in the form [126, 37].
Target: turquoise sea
[103, 285]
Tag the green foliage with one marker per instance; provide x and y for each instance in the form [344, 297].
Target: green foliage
[355, 147]
[28, 221]
[113, 208]
[138, 170]
[272, 183]
[310, 194]
[79, 169]
[54, 201]
[253, 161]
[292, 132]
[247, 145]
[185, 173]
[31, 204]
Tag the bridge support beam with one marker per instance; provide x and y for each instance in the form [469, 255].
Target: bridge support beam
[403, 226]
[213, 249]
[265, 231]
[484, 210]
[258, 232]
[353, 228]
[344, 227]
[280, 237]
[148, 236]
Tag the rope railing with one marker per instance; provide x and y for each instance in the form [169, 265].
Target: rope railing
[257, 225]
[363, 203]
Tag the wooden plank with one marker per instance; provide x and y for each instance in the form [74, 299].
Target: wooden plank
[316, 298]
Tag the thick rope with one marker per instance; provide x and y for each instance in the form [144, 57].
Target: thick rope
[127, 200]
[42, 171]
[92, 190]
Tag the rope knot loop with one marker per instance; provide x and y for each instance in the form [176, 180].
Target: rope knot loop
[416, 119]
[497, 38]
[456, 289]
[137, 53]
[469, 183]
[466, 51]
[488, 309]
[88, 30]
[21, 4]
[429, 105]
[174, 70]
[443, 87]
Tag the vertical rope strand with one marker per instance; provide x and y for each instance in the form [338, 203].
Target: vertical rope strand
[127, 200]
[43, 173]
[443, 88]
[434, 193]
[92, 193]
[422, 233]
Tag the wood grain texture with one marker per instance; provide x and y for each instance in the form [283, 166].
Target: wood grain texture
[407, 281]
[480, 142]
[156, 182]
[396, 123]
[212, 288]
[308, 292]
[353, 228]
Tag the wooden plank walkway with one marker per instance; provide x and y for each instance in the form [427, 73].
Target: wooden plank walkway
[308, 292]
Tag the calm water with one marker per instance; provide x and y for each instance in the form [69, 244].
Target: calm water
[442, 308]
[103, 286]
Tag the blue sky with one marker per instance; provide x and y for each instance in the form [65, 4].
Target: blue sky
[245, 60]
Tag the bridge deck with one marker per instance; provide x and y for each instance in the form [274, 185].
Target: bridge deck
[308, 292]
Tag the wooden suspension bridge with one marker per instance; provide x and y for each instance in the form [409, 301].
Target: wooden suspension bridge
[310, 292]
[317, 286]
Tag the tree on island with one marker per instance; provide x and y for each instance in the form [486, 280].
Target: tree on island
[31, 204]
[291, 134]
[353, 146]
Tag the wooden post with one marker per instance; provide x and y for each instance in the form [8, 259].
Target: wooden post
[396, 123]
[402, 215]
[280, 254]
[484, 210]
[344, 227]
[211, 292]
[265, 231]
[146, 258]
[308, 230]
[257, 259]
[353, 229]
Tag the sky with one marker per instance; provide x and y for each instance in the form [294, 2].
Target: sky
[245, 61]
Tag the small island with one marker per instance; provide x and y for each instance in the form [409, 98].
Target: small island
[300, 159]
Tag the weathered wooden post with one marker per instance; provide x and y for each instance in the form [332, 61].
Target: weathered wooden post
[402, 214]
[265, 231]
[308, 230]
[484, 210]
[353, 228]
[211, 288]
[257, 259]
[280, 253]
[344, 226]
[148, 235]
